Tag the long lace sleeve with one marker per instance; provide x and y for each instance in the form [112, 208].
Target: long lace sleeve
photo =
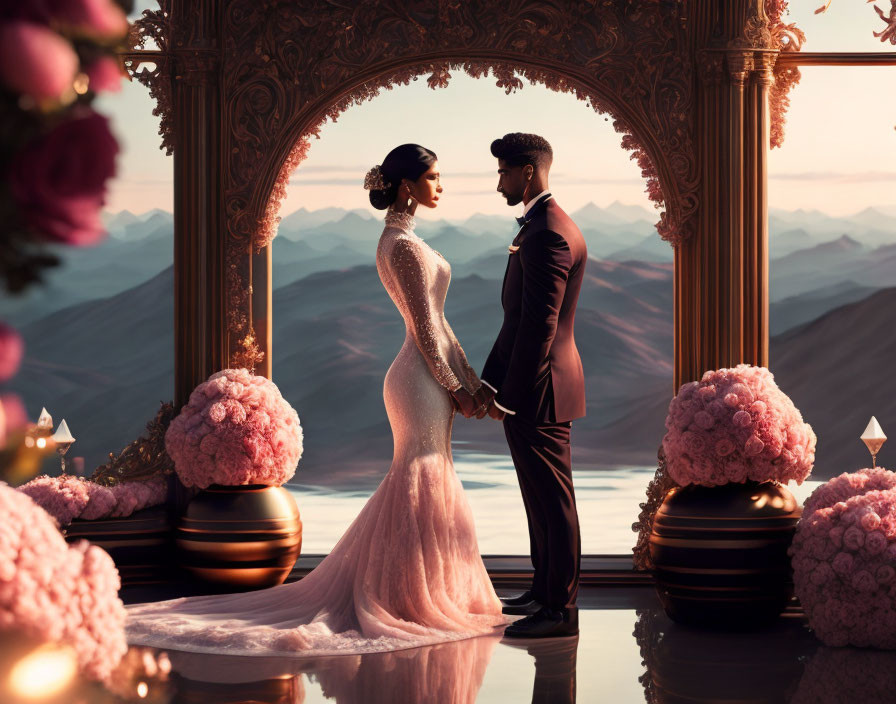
[408, 272]
[468, 376]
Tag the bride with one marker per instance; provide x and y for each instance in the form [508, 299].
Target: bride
[407, 572]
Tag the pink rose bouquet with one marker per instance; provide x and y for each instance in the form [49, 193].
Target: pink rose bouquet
[67, 498]
[56, 592]
[60, 180]
[844, 560]
[736, 425]
[236, 429]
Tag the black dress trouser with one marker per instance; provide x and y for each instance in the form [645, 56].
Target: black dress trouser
[541, 456]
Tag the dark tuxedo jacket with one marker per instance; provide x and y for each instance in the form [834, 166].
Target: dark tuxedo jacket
[534, 364]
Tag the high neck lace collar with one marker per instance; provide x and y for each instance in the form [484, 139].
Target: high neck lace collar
[404, 221]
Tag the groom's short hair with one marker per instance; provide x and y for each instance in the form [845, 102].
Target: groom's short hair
[520, 148]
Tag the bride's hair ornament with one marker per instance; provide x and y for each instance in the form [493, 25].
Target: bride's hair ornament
[373, 181]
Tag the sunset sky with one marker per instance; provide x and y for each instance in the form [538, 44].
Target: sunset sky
[839, 155]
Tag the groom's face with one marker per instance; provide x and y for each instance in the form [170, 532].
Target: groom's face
[512, 181]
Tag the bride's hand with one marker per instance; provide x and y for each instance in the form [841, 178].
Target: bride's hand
[465, 401]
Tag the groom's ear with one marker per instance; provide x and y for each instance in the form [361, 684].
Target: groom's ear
[528, 171]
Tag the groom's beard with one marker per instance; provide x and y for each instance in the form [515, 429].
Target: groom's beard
[512, 199]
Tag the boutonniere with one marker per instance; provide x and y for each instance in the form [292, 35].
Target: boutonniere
[513, 248]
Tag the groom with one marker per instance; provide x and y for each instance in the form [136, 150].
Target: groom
[537, 385]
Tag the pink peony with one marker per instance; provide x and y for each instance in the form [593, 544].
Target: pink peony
[736, 425]
[236, 429]
[54, 592]
[35, 61]
[843, 555]
[59, 181]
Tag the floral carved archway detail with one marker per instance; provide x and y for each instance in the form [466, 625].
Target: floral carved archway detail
[301, 63]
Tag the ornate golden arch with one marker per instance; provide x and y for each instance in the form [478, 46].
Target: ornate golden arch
[242, 84]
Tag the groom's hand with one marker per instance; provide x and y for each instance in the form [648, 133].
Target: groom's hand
[495, 412]
[484, 397]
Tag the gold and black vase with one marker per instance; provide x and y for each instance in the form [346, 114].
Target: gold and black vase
[720, 553]
[139, 544]
[240, 537]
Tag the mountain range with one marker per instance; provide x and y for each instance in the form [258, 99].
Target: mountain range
[102, 357]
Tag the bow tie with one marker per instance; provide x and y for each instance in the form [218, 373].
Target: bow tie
[531, 212]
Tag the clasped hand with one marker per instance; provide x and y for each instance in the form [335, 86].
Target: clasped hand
[478, 404]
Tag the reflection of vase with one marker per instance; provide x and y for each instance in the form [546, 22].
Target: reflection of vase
[240, 536]
[693, 666]
[140, 544]
[720, 553]
[283, 690]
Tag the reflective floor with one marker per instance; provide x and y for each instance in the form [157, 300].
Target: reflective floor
[627, 651]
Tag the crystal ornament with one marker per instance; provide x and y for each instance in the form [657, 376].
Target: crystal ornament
[874, 438]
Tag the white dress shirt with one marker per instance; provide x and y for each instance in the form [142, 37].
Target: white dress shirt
[526, 209]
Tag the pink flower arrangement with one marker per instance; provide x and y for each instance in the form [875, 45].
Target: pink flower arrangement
[60, 180]
[55, 592]
[67, 498]
[843, 557]
[236, 429]
[736, 425]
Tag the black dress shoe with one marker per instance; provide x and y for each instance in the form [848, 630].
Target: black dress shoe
[546, 623]
[523, 598]
[530, 607]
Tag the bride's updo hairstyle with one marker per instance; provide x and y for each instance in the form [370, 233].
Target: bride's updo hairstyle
[408, 161]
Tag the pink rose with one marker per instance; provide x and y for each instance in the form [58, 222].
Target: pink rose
[870, 521]
[59, 181]
[885, 574]
[876, 543]
[703, 420]
[863, 581]
[842, 563]
[742, 419]
[731, 400]
[104, 75]
[853, 538]
[753, 446]
[724, 447]
[11, 350]
[35, 61]
[693, 443]
[707, 393]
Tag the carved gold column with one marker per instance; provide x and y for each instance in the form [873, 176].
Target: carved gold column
[732, 240]
[199, 245]
[721, 274]
[199, 319]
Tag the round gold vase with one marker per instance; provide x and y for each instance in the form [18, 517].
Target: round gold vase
[240, 537]
[720, 553]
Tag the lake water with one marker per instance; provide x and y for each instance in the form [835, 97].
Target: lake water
[608, 503]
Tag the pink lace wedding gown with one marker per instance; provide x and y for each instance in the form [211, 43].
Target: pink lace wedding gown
[407, 572]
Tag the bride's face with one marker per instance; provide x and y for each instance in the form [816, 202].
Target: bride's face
[426, 189]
